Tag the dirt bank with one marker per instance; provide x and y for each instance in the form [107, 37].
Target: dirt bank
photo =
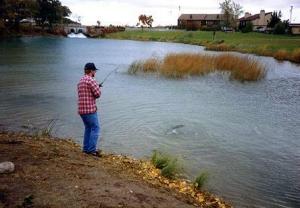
[55, 173]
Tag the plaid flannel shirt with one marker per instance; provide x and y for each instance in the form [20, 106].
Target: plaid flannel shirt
[88, 92]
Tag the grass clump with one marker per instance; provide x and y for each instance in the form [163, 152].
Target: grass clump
[169, 166]
[135, 67]
[171, 170]
[201, 180]
[147, 66]
[180, 65]
[219, 47]
[281, 55]
[47, 130]
[160, 160]
[296, 56]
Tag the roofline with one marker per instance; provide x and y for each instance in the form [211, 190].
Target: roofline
[246, 18]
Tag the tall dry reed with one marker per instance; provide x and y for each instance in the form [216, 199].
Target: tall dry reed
[295, 56]
[281, 55]
[181, 65]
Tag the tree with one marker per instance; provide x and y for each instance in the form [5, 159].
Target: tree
[231, 12]
[145, 20]
[51, 11]
[275, 19]
[98, 23]
[13, 11]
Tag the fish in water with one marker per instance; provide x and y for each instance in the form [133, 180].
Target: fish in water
[173, 130]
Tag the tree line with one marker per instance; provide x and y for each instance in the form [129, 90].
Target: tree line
[43, 12]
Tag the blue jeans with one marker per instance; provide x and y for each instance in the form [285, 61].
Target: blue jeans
[91, 132]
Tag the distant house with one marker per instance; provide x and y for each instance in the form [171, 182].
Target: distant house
[259, 21]
[200, 21]
[295, 28]
[29, 21]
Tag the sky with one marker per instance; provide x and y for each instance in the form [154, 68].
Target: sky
[166, 12]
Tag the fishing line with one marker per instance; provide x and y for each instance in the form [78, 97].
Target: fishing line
[110, 73]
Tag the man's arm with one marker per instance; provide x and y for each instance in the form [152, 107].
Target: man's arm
[95, 89]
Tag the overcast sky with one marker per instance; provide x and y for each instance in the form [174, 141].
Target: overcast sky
[166, 12]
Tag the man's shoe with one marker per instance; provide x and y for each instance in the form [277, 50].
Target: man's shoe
[97, 153]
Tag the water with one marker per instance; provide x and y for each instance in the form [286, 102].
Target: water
[245, 135]
[74, 35]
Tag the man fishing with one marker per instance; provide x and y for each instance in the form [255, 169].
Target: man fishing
[88, 91]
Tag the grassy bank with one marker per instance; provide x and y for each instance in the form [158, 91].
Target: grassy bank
[181, 65]
[51, 172]
[282, 47]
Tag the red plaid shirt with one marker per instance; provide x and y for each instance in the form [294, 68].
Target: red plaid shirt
[88, 92]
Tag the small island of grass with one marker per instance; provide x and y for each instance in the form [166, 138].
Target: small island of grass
[188, 64]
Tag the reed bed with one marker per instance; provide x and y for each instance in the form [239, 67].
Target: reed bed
[219, 47]
[295, 56]
[281, 54]
[181, 65]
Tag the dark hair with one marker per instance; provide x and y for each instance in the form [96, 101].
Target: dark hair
[87, 71]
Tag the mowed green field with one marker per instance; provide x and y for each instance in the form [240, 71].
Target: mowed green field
[258, 43]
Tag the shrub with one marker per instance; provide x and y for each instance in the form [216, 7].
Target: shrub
[247, 28]
[279, 28]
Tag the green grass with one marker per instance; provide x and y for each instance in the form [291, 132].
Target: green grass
[169, 166]
[201, 180]
[257, 43]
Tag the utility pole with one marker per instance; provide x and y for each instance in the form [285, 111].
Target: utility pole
[179, 13]
[291, 12]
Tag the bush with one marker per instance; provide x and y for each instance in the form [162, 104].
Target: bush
[279, 28]
[3, 29]
[247, 28]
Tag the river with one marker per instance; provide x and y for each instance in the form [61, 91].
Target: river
[245, 135]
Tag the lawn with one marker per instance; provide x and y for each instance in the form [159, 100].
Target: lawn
[282, 47]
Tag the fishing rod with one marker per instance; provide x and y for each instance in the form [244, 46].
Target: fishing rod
[110, 73]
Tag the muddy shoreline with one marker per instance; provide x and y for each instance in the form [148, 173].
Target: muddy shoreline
[53, 172]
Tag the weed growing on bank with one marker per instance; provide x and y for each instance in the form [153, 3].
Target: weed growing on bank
[168, 165]
[201, 180]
